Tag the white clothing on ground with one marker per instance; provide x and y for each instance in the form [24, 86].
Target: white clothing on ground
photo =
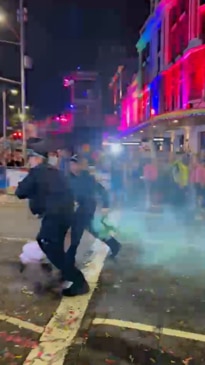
[32, 253]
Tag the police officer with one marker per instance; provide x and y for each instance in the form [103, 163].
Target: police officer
[49, 197]
[85, 188]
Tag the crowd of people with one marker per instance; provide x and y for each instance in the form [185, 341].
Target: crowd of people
[62, 192]
[177, 181]
[11, 158]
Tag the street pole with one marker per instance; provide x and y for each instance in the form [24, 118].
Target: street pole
[23, 80]
[4, 114]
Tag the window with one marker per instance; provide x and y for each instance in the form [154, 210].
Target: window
[173, 101]
[194, 93]
[145, 53]
[181, 83]
[174, 47]
[183, 34]
[202, 2]
[181, 95]
[143, 56]
[159, 39]
[173, 16]
[147, 50]
[158, 64]
[143, 76]
[202, 140]
[152, 4]
[182, 5]
[85, 90]
[203, 27]
[177, 40]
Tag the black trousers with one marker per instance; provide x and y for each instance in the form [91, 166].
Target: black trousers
[51, 240]
[83, 220]
[78, 226]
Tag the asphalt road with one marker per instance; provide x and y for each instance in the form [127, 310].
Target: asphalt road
[149, 306]
[23, 314]
[156, 284]
[16, 220]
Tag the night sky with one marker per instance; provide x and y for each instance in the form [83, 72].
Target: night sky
[64, 34]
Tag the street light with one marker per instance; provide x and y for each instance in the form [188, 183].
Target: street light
[21, 38]
[3, 18]
[11, 107]
[14, 92]
[23, 81]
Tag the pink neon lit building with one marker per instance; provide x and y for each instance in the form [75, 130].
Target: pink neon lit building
[171, 76]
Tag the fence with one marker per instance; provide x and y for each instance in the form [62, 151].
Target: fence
[10, 177]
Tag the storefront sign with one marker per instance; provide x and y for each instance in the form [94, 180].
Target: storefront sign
[13, 177]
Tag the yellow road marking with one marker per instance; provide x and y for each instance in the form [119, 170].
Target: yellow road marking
[4, 239]
[22, 324]
[62, 328]
[147, 328]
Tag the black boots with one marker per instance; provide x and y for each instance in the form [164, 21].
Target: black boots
[79, 286]
[114, 246]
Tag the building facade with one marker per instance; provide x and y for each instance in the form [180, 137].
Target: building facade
[85, 98]
[170, 83]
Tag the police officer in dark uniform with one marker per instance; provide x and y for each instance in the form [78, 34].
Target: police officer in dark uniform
[49, 197]
[85, 188]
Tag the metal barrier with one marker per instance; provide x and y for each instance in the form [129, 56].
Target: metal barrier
[9, 179]
[2, 179]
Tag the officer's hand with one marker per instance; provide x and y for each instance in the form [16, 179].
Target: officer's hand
[104, 211]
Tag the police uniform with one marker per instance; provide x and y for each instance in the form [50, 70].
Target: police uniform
[85, 188]
[49, 197]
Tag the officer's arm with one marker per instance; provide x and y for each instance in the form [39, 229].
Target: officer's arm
[102, 192]
[25, 187]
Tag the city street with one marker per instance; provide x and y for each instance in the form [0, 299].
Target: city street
[147, 308]
[24, 315]
[106, 112]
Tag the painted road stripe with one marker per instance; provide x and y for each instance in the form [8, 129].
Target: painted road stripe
[147, 328]
[62, 328]
[21, 324]
[17, 239]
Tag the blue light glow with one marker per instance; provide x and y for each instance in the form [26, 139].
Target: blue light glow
[152, 23]
[155, 92]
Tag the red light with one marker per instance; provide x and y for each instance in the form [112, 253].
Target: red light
[63, 119]
[17, 135]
